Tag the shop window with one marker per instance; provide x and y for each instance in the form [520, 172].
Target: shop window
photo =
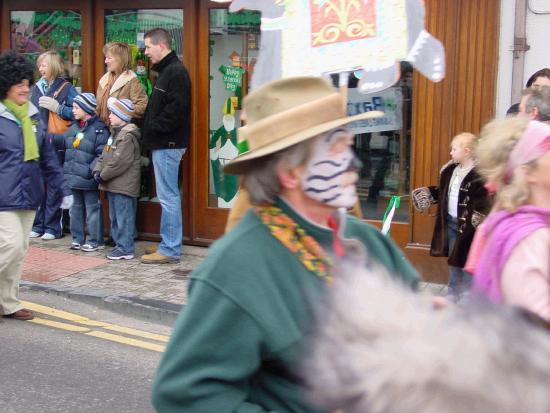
[129, 26]
[383, 146]
[34, 32]
[234, 43]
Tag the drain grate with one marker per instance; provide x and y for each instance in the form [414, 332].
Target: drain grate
[181, 274]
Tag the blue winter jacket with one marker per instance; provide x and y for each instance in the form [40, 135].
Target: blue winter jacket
[80, 161]
[22, 183]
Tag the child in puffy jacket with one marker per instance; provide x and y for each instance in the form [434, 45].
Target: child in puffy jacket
[83, 144]
[118, 173]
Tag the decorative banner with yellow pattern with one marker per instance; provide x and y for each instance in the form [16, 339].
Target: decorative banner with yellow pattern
[316, 37]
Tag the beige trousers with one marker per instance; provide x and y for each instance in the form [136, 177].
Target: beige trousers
[14, 243]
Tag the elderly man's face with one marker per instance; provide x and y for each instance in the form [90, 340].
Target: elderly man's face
[331, 172]
[523, 108]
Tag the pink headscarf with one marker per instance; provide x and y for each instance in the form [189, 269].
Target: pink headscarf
[534, 143]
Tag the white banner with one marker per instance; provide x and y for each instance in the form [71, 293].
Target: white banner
[389, 101]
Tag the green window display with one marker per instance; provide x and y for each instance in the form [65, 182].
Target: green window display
[234, 45]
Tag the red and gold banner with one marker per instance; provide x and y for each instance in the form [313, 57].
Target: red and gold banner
[334, 21]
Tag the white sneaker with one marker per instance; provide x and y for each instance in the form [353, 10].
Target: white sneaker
[33, 234]
[47, 236]
[91, 247]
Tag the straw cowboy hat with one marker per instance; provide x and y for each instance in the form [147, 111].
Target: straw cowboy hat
[289, 111]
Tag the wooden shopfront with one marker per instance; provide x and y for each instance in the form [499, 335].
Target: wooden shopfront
[220, 49]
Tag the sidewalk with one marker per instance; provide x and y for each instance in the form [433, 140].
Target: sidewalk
[154, 292]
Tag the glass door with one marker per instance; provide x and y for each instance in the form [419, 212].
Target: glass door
[229, 45]
[127, 21]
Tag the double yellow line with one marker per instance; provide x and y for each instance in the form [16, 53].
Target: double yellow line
[94, 328]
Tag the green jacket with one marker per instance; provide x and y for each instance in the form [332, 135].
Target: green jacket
[237, 344]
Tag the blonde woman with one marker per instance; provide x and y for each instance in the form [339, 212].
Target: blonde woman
[120, 81]
[52, 93]
[514, 261]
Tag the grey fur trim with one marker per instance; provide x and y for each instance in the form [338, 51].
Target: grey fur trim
[422, 198]
[477, 218]
[381, 348]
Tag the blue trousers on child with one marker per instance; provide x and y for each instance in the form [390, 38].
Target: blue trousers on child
[122, 213]
[87, 209]
[460, 280]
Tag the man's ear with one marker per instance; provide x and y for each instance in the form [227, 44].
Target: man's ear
[535, 114]
[290, 178]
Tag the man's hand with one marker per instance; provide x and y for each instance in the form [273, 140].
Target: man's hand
[49, 103]
[67, 202]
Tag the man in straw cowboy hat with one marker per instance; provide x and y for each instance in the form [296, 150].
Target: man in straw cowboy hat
[236, 345]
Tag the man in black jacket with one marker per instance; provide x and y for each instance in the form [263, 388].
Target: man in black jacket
[166, 132]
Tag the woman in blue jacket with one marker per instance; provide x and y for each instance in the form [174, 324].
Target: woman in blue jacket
[52, 93]
[27, 159]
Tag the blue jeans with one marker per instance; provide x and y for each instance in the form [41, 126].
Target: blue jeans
[87, 208]
[166, 163]
[122, 213]
[460, 280]
[49, 214]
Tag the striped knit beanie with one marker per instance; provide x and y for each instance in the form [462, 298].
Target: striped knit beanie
[123, 108]
[86, 102]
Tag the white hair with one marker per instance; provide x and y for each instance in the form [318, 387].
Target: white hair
[381, 348]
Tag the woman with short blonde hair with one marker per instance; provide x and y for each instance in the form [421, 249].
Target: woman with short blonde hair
[53, 94]
[120, 81]
[54, 61]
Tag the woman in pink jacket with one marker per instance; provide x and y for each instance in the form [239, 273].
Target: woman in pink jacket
[513, 264]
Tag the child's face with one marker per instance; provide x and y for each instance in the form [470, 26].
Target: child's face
[459, 153]
[115, 120]
[78, 113]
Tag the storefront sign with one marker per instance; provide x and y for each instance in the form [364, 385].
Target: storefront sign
[389, 101]
[232, 77]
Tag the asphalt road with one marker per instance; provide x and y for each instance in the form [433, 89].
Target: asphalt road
[46, 368]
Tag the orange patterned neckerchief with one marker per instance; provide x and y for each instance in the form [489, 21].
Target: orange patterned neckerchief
[308, 251]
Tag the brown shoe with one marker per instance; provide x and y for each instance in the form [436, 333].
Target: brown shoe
[151, 249]
[22, 314]
[156, 258]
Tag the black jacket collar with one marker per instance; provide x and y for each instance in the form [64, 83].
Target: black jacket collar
[168, 59]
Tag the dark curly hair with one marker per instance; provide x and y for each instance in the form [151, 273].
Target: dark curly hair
[14, 68]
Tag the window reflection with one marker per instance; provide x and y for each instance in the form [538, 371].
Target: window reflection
[34, 32]
[383, 145]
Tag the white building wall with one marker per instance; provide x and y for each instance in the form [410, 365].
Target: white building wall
[537, 57]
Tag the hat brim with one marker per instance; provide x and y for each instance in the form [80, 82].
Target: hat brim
[240, 164]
